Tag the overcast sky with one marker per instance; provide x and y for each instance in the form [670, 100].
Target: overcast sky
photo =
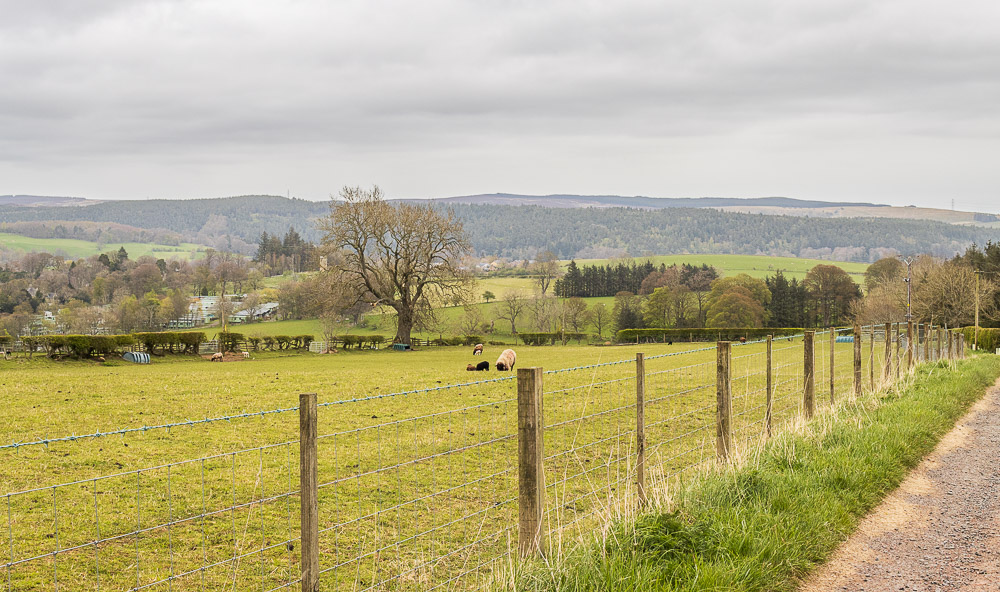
[894, 101]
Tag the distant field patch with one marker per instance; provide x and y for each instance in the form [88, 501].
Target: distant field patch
[758, 266]
[74, 248]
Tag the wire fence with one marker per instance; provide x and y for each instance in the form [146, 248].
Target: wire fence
[424, 489]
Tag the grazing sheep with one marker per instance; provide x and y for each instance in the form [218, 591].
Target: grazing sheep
[471, 368]
[246, 354]
[217, 357]
[478, 350]
[506, 360]
[483, 366]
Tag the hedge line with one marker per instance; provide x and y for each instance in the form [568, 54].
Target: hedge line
[989, 339]
[173, 342]
[550, 338]
[78, 345]
[706, 334]
[91, 345]
[229, 341]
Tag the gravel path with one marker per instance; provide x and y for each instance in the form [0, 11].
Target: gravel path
[940, 530]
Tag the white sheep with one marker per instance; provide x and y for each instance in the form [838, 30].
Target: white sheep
[506, 360]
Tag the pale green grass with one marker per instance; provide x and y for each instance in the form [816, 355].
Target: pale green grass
[78, 248]
[416, 488]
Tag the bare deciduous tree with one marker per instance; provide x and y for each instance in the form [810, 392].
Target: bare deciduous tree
[402, 256]
[545, 269]
[510, 308]
[601, 317]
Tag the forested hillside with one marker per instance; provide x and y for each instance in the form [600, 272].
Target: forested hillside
[236, 224]
[522, 231]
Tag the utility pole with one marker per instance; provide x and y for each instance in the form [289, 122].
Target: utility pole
[975, 340]
[909, 314]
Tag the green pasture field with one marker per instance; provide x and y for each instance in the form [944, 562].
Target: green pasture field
[758, 266]
[79, 248]
[764, 524]
[416, 489]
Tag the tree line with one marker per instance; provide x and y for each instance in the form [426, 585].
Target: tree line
[520, 232]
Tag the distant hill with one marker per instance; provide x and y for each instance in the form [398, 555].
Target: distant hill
[653, 203]
[35, 201]
[511, 226]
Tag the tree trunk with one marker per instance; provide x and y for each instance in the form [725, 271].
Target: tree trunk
[404, 326]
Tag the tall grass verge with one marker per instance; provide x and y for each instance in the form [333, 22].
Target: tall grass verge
[763, 523]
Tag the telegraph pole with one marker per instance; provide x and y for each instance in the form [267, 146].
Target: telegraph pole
[909, 313]
[975, 340]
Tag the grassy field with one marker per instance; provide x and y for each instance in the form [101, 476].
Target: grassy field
[78, 248]
[764, 525]
[758, 266]
[418, 488]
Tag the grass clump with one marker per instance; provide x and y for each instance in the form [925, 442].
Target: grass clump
[763, 525]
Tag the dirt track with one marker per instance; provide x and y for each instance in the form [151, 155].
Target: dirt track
[941, 529]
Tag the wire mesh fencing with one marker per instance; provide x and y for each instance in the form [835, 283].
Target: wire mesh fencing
[425, 489]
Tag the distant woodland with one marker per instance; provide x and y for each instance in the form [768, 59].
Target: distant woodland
[520, 232]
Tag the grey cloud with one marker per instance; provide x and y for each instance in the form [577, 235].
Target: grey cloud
[384, 84]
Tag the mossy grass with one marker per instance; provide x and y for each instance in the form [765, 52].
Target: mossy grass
[764, 524]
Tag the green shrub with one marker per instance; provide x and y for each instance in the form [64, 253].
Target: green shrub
[471, 339]
[989, 339]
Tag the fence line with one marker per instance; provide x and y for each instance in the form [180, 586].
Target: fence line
[435, 497]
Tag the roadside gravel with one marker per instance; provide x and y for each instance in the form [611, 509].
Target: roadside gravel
[940, 531]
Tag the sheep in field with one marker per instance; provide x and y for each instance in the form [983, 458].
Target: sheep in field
[478, 350]
[470, 368]
[481, 366]
[506, 360]
[217, 357]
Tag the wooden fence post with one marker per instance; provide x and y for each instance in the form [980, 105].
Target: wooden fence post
[888, 350]
[308, 494]
[951, 344]
[833, 344]
[927, 342]
[808, 375]
[530, 474]
[769, 409]
[909, 345]
[857, 360]
[723, 400]
[640, 427]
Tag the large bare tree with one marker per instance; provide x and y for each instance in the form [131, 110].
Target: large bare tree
[402, 256]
